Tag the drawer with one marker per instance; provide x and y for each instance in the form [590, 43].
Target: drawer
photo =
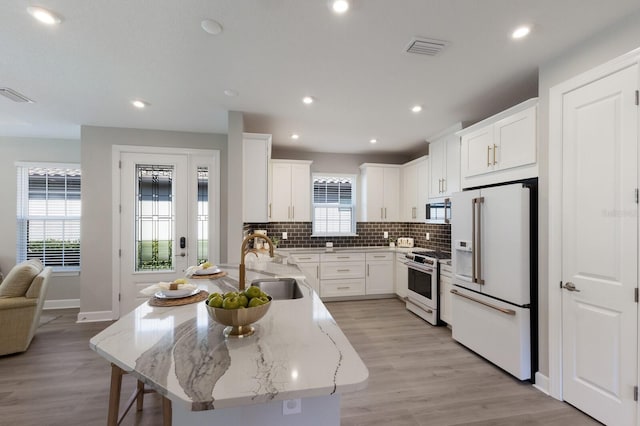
[305, 258]
[341, 270]
[342, 257]
[380, 256]
[337, 288]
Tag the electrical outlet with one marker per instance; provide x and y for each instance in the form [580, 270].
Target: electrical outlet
[386, 234]
[329, 244]
[428, 236]
[291, 406]
[284, 235]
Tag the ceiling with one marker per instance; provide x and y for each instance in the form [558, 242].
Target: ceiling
[86, 70]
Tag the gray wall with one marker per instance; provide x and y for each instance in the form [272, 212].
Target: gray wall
[235, 176]
[339, 163]
[27, 149]
[96, 145]
[619, 39]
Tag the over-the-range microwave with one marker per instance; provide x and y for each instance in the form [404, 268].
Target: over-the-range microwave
[439, 211]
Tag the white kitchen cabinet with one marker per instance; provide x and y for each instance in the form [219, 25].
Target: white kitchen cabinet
[446, 284]
[379, 273]
[402, 275]
[444, 163]
[256, 152]
[380, 193]
[501, 148]
[415, 191]
[309, 264]
[290, 194]
[342, 274]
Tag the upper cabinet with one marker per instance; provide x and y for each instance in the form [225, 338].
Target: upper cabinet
[379, 192]
[415, 190]
[290, 191]
[501, 148]
[256, 152]
[444, 163]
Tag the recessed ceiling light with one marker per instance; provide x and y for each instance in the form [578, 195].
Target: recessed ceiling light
[211, 26]
[416, 108]
[307, 100]
[340, 6]
[43, 15]
[521, 32]
[373, 141]
[295, 136]
[231, 93]
[140, 104]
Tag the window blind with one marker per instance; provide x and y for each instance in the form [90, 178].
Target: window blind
[48, 215]
[333, 205]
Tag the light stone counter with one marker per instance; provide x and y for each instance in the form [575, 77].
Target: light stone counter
[298, 351]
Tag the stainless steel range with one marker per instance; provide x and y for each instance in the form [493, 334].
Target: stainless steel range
[423, 286]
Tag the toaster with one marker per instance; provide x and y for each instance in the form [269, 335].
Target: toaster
[405, 242]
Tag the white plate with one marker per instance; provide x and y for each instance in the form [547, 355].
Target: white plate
[208, 271]
[176, 294]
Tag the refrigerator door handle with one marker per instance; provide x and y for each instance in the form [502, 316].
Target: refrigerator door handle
[447, 202]
[476, 230]
[497, 308]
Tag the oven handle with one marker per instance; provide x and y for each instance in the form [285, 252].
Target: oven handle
[420, 268]
[497, 308]
[427, 310]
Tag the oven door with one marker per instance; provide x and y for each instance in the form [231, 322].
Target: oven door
[422, 285]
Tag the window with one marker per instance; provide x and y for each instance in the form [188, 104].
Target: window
[48, 214]
[334, 208]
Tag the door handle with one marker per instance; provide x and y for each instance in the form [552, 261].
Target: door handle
[571, 287]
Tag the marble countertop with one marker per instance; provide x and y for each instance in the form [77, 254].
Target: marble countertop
[297, 351]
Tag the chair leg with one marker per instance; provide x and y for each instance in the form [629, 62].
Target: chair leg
[114, 395]
[166, 411]
[140, 397]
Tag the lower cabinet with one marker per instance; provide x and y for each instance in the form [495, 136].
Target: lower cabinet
[342, 274]
[446, 285]
[379, 277]
[343, 287]
[402, 275]
[309, 264]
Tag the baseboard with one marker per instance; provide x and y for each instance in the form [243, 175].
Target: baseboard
[61, 304]
[96, 316]
[542, 383]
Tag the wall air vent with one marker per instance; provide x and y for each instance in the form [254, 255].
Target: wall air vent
[426, 46]
[13, 95]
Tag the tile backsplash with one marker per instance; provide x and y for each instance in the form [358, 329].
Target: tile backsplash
[369, 234]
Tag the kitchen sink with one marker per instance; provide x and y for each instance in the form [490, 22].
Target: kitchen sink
[279, 288]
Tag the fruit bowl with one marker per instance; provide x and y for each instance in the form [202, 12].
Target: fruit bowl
[238, 321]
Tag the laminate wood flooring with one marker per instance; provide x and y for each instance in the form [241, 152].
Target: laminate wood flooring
[417, 376]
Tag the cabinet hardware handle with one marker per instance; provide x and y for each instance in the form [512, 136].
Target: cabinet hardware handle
[289, 212]
[343, 257]
[444, 185]
[343, 270]
[571, 287]
[344, 288]
[497, 308]
[293, 212]
[269, 209]
[488, 155]
[385, 212]
[304, 258]
[381, 212]
[495, 147]
[318, 272]
[378, 256]
[367, 270]
[439, 185]
[413, 212]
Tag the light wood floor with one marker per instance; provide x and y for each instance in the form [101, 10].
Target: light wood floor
[417, 376]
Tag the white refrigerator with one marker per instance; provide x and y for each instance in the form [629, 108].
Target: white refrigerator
[491, 296]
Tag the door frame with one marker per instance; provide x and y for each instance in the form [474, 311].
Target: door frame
[214, 214]
[555, 198]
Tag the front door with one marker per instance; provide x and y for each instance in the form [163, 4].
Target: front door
[164, 220]
[600, 248]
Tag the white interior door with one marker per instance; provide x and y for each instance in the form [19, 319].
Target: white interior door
[600, 248]
[164, 220]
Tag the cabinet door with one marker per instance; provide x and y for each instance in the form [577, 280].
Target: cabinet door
[422, 194]
[515, 140]
[409, 193]
[375, 194]
[445, 300]
[379, 277]
[301, 192]
[391, 194]
[255, 156]
[437, 167]
[311, 272]
[452, 165]
[402, 277]
[280, 192]
[477, 152]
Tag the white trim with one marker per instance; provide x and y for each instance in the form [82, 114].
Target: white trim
[556, 95]
[97, 316]
[542, 383]
[499, 116]
[61, 304]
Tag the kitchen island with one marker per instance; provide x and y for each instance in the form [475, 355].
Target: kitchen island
[297, 362]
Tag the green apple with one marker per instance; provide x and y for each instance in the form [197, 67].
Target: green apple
[256, 301]
[231, 294]
[244, 300]
[216, 301]
[232, 302]
[212, 295]
[252, 292]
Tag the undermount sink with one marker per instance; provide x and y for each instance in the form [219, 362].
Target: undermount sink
[279, 288]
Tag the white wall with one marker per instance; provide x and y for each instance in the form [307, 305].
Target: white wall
[28, 149]
[620, 38]
[96, 146]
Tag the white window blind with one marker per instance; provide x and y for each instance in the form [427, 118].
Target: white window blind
[333, 205]
[48, 214]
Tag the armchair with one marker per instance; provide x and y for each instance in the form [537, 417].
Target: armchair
[22, 295]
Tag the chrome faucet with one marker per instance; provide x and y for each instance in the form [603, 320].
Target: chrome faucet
[244, 251]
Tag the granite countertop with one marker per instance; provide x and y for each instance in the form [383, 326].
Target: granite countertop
[297, 351]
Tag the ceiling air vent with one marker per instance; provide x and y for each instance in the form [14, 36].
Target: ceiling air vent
[13, 95]
[426, 46]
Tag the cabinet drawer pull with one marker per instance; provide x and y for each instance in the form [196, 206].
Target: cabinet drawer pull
[378, 256]
[304, 258]
[497, 308]
[343, 270]
[343, 257]
[344, 288]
